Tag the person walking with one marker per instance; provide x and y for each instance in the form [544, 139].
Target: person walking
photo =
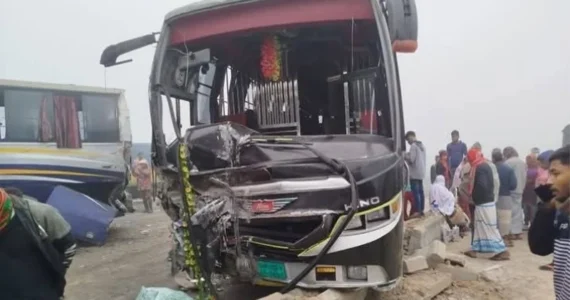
[486, 237]
[416, 158]
[549, 233]
[519, 167]
[36, 249]
[456, 151]
[508, 183]
[142, 173]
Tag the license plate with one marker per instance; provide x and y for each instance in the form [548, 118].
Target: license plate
[271, 270]
[262, 206]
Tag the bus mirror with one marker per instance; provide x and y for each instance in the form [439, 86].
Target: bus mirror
[403, 25]
[111, 53]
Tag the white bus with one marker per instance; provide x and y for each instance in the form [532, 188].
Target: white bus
[56, 134]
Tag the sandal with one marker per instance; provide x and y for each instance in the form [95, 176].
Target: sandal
[516, 237]
[470, 253]
[505, 255]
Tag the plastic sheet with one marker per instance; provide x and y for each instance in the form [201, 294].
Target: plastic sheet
[152, 293]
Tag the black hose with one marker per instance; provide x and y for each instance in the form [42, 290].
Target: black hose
[334, 237]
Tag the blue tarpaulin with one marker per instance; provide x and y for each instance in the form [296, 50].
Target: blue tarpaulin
[89, 218]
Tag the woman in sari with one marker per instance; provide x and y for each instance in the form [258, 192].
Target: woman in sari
[486, 237]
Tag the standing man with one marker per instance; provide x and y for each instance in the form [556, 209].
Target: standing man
[456, 151]
[508, 183]
[550, 231]
[520, 168]
[36, 249]
[416, 159]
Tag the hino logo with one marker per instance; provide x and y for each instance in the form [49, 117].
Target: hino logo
[367, 202]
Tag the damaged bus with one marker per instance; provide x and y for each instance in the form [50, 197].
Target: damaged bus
[291, 169]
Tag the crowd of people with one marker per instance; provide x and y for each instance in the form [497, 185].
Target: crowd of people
[501, 198]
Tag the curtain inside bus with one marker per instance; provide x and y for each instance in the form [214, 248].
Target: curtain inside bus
[46, 128]
[66, 122]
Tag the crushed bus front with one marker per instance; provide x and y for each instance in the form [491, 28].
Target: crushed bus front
[291, 169]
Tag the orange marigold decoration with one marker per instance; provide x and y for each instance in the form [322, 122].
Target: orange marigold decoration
[271, 58]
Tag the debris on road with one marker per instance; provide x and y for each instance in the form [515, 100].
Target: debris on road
[161, 294]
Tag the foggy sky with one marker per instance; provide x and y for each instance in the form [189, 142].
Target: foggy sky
[497, 71]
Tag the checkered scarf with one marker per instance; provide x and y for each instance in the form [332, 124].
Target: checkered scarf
[6, 209]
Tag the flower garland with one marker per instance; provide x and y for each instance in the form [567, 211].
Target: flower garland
[271, 58]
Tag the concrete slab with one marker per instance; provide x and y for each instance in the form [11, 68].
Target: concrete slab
[436, 253]
[420, 233]
[414, 264]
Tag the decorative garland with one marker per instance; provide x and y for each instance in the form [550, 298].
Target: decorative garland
[271, 58]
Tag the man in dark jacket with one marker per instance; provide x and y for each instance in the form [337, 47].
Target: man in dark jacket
[508, 183]
[550, 231]
[36, 248]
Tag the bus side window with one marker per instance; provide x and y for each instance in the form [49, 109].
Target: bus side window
[100, 119]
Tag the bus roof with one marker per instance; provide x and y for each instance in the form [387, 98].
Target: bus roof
[59, 87]
[210, 18]
[201, 6]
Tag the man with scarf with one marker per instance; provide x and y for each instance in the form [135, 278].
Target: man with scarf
[549, 232]
[486, 237]
[36, 249]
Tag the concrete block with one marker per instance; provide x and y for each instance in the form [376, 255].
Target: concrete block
[455, 259]
[436, 254]
[415, 264]
[458, 273]
[420, 233]
[341, 295]
[495, 273]
[440, 284]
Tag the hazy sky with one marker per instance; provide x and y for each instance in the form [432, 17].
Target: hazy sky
[498, 71]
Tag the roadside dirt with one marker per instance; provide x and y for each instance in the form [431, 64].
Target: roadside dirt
[136, 255]
[519, 278]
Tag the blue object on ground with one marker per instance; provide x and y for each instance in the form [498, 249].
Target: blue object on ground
[161, 294]
[89, 218]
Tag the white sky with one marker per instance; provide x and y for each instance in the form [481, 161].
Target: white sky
[498, 71]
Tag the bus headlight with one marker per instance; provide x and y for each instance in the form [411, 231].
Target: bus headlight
[355, 223]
